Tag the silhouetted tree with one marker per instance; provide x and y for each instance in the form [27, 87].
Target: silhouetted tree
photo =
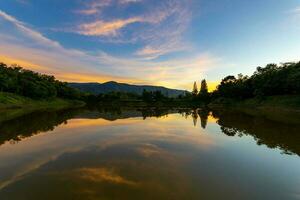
[204, 95]
[204, 88]
[195, 89]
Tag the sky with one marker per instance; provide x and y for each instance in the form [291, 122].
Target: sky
[170, 43]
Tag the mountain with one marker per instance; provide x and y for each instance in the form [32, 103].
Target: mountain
[98, 88]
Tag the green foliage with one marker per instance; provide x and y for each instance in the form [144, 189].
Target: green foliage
[111, 97]
[17, 80]
[268, 81]
[232, 87]
[119, 97]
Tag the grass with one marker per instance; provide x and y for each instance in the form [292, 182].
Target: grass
[12, 105]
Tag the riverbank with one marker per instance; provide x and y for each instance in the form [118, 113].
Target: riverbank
[277, 108]
[12, 105]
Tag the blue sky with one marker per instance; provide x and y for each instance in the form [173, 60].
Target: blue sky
[161, 42]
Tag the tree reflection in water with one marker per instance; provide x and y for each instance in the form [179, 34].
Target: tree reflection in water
[196, 114]
[272, 134]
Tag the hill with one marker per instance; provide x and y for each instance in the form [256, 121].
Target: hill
[98, 88]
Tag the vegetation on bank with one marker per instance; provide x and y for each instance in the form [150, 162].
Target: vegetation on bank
[273, 85]
[12, 105]
[131, 99]
[14, 79]
[9, 100]
[271, 80]
[23, 91]
[112, 86]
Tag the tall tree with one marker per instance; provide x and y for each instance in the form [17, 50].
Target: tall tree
[195, 89]
[203, 89]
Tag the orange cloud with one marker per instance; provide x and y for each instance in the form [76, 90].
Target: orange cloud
[94, 7]
[100, 27]
[28, 65]
[102, 175]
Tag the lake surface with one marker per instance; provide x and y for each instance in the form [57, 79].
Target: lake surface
[148, 154]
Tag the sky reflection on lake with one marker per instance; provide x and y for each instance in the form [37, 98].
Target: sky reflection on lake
[187, 155]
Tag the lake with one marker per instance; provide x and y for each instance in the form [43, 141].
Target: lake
[148, 154]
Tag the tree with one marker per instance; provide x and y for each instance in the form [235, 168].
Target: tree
[204, 95]
[195, 89]
[158, 96]
[27, 83]
[147, 96]
[203, 89]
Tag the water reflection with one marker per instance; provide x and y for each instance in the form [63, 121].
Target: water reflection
[148, 154]
[128, 171]
[264, 131]
[32, 124]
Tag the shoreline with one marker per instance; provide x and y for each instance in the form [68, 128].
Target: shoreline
[277, 108]
[12, 106]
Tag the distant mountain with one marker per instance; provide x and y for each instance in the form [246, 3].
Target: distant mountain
[98, 88]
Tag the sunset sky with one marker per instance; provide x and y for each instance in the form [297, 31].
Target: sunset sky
[160, 42]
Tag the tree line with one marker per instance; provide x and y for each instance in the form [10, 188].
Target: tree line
[271, 80]
[147, 96]
[15, 79]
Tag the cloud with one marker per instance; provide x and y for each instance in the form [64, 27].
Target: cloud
[99, 28]
[22, 27]
[148, 150]
[129, 1]
[102, 175]
[23, 45]
[25, 2]
[94, 7]
[149, 51]
[167, 37]
[295, 10]
[160, 29]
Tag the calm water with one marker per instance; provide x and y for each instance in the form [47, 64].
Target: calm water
[148, 154]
